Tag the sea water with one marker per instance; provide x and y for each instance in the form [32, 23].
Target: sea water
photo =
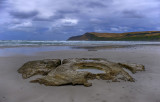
[10, 47]
[92, 70]
[16, 43]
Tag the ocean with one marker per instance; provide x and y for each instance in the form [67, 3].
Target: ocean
[22, 43]
[24, 47]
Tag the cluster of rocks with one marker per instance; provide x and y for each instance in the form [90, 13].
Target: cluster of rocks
[58, 72]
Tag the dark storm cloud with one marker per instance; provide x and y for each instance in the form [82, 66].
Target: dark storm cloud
[132, 14]
[42, 19]
[96, 5]
[2, 4]
[64, 18]
[23, 15]
[71, 11]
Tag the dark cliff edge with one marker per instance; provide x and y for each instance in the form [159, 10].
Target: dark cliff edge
[129, 36]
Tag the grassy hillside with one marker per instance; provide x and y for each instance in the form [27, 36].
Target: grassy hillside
[131, 36]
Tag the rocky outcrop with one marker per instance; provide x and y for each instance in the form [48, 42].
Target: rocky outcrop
[39, 67]
[68, 72]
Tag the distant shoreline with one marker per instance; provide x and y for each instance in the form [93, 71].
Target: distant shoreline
[128, 36]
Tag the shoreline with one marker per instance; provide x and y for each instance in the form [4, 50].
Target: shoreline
[27, 50]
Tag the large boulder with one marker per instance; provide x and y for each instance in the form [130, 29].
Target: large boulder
[69, 71]
[38, 67]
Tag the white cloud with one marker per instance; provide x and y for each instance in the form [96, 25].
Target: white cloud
[119, 29]
[63, 22]
[69, 21]
[158, 28]
[114, 29]
[95, 20]
[114, 16]
[21, 25]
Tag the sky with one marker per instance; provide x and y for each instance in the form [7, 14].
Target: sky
[61, 19]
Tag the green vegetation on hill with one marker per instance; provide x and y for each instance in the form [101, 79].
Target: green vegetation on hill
[132, 36]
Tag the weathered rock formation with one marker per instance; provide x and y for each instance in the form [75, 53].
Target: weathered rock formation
[39, 67]
[56, 74]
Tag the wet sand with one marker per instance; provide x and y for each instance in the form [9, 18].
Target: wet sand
[145, 89]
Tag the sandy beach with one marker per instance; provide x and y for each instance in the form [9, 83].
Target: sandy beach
[145, 89]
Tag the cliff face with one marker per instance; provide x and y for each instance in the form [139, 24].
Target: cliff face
[130, 36]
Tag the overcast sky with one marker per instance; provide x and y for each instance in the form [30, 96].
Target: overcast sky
[60, 19]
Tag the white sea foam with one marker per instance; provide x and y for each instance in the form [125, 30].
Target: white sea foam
[12, 43]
